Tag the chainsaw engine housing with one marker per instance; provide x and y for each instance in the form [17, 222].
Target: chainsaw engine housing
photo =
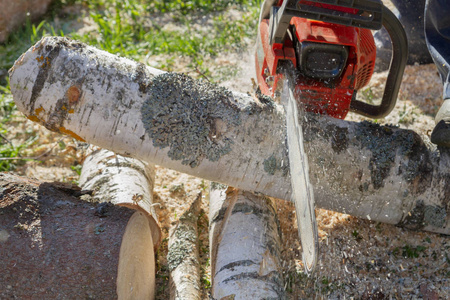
[333, 60]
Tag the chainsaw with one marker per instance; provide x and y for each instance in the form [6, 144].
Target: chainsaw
[315, 55]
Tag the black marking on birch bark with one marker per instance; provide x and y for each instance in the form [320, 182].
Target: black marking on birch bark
[272, 277]
[88, 119]
[240, 263]
[384, 142]
[339, 138]
[423, 215]
[268, 215]
[58, 115]
[97, 173]
[99, 183]
[43, 73]
[243, 208]
[182, 114]
[125, 164]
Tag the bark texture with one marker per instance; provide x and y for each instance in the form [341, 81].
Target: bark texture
[245, 252]
[377, 172]
[128, 182]
[121, 181]
[54, 245]
[183, 256]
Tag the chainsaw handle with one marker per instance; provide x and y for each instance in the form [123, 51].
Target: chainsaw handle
[394, 79]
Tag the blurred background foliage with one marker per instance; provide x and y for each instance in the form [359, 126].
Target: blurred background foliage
[198, 30]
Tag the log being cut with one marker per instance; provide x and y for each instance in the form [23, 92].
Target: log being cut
[376, 172]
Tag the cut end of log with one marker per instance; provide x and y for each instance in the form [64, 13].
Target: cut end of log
[136, 271]
[53, 245]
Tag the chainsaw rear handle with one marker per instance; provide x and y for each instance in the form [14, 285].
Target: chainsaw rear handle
[394, 79]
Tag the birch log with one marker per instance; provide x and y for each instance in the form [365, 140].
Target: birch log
[183, 256]
[123, 181]
[128, 182]
[377, 172]
[245, 246]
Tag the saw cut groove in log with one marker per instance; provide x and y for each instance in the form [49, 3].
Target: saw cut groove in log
[245, 257]
[376, 172]
[183, 256]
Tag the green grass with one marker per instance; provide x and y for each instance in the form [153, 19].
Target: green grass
[21, 40]
[409, 251]
[192, 7]
[134, 29]
[131, 29]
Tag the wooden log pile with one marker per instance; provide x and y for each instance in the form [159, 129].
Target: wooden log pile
[144, 116]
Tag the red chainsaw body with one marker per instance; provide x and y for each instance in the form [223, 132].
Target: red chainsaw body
[324, 96]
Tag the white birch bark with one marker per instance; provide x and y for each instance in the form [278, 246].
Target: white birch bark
[123, 181]
[183, 256]
[128, 182]
[381, 173]
[245, 246]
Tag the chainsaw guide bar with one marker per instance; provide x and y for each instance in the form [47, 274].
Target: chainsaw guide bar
[302, 192]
